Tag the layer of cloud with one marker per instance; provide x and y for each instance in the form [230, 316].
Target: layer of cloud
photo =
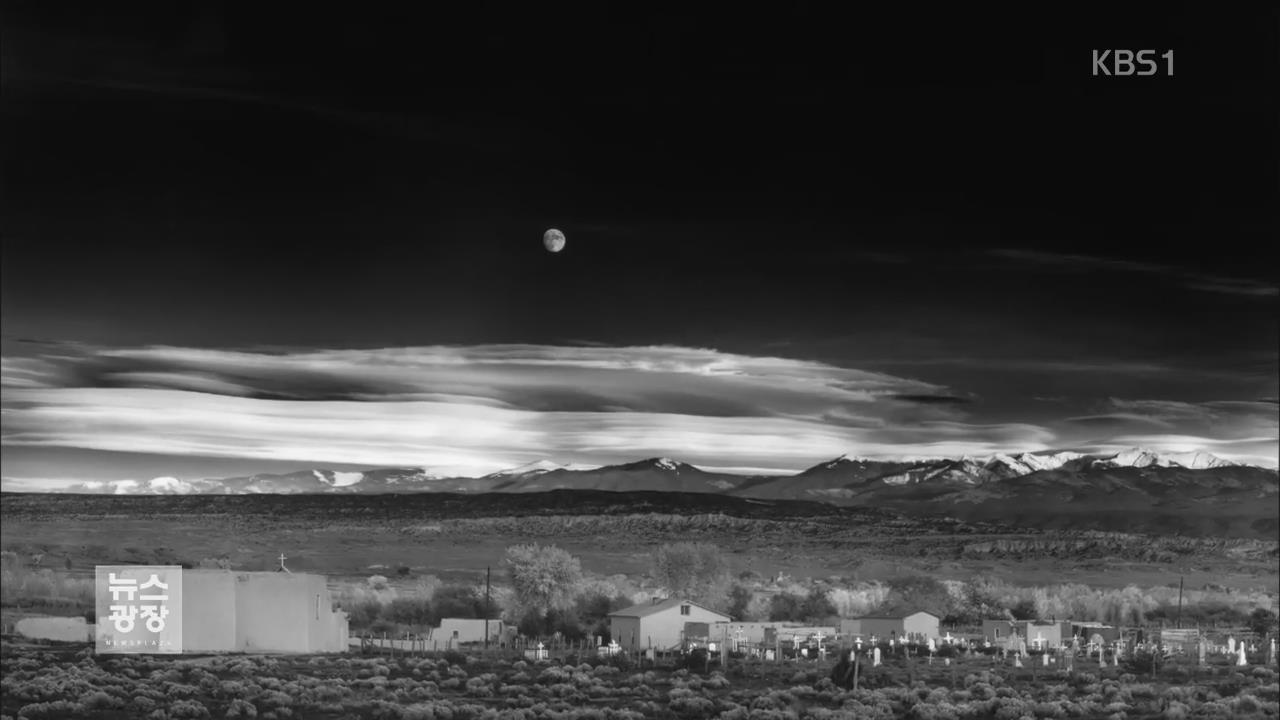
[476, 409]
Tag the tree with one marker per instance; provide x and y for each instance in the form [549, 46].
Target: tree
[1262, 621]
[409, 611]
[593, 611]
[786, 607]
[543, 576]
[1024, 609]
[919, 592]
[692, 571]
[740, 598]
[457, 601]
[812, 607]
[816, 606]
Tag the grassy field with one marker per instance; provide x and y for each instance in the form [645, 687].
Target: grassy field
[454, 538]
[69, 681]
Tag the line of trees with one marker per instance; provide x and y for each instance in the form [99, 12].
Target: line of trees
[550, 594]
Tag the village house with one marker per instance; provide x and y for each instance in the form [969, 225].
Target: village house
[453, 631]
[663, 624]
[1037, 634]
[913, 627]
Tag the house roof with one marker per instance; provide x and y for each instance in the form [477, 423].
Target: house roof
[903, 616]
[652, 608]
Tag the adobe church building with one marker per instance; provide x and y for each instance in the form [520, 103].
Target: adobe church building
[267, 612]
[661, 624]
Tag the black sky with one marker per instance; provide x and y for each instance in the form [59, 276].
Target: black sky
[930, 191]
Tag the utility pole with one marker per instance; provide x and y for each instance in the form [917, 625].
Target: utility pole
[486, 607]
[1180, 578]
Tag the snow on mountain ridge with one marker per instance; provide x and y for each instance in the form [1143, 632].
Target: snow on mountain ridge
[666, 463]
[338, 479]
[1144, 457]
[540, 467]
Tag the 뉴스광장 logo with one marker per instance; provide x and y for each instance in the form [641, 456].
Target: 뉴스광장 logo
[139, 609]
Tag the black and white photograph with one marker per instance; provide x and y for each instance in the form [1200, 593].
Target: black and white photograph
[558, 361]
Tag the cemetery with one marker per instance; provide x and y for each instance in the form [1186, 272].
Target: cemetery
[882, 680]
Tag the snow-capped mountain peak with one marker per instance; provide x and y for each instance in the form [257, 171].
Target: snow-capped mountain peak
[334, 478]
[1195, 460]
[664, 463]
[1027, 463]
[540, 467]
[537, 467]
[1143, 457]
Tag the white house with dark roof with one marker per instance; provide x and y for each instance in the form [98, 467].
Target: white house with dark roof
[662, 624]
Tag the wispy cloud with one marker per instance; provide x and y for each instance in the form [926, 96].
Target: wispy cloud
[1240, 430]
[475, 409]
[1193, 280]
[933, 399]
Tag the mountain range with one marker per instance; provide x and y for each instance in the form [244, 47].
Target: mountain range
[1191, 493]
[843, 480]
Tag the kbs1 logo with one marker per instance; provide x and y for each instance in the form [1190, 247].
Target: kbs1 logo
[1127, 62]
[139, 609]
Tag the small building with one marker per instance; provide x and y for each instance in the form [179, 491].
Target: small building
[1036, 634]
[662, 624]
[1095, 631]
[996, 631]
[467, 630]
[1042, 635]
[912, 627]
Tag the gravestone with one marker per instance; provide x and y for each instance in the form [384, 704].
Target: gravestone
[875, 657]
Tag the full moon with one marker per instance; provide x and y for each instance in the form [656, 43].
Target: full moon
[553, 239]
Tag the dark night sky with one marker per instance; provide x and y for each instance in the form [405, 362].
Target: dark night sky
[944, 197]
